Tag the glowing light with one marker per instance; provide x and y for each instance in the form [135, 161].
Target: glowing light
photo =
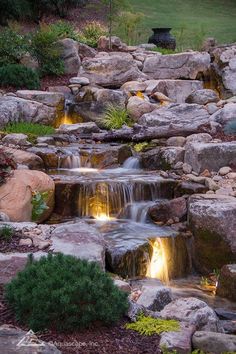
[85, 170]
[66, 120]
[103, 217]
[158, 266]
[140, 95]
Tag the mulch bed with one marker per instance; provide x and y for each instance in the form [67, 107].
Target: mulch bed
[96, 340]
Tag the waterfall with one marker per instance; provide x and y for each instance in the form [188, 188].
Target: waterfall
[112, 198]
[137, 211]
[132, 163]
[71, 161]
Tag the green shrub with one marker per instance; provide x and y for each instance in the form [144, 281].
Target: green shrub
[46, 50]
[91, 33]
[127, 26]
[148, 326]
[115, 117]
[140, 146]
[64, 29]
[19, 76]
[7, 164]
[64, 293]
[12, 47]
[32, 129]
[6, 233]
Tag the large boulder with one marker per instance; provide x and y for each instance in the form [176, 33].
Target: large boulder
[16, 109]
[108, 97]
[212, 342]
[137, 106]
[178, 117]
[225, 115]
[16, 195]
[79, 128]
[69, 55]
[176, 66]
[163, 158]
[51, 99]
[203, 97]
[168, 209]
[21, 157]
[212, 219]
[227, 282]
[210, 156]
[193, 311]
[110, 69]
[224, 66]
[80, 240]
[155, 298]
[178, 341]
[176, 90]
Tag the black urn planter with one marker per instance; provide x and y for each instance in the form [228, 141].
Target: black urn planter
[162, 38]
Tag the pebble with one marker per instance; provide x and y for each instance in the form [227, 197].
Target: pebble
[25, 242]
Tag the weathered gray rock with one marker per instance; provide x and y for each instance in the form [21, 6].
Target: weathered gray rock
[198, 138]
[134, 87]
[193, 311]
[110, 70]
[224, 66]
[137, 106]
[212, 219]
[224, 170]
[168, 209]
[69, 54]
[225, 115]
[154, 298]
[115, 42]
[203, 97]
[122, 285]
[11, 338]
[15, 109]
[163, 158]
[227, 282]
[176, 90]
[109, 97]
[216, 343]
[210, 156]
[51, 99]
[83, 81]
[180, 117]
[80, 240]
[86, 51]
[179, 341]
[15, 139]
[176, 66]
[176, 141]
[80, 128]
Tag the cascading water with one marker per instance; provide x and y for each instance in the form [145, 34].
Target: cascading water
[132, 163]
[71, 161]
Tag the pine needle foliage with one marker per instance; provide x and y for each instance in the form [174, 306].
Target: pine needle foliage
[148, 326]
[115, 117]
[64, 293]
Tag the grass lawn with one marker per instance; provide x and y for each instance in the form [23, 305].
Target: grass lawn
[191, 20]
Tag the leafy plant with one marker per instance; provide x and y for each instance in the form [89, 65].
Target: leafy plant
[91, 33]
[7, 164]
[19, 76]
[64, 29]
[31, 129]
[39, 204]
[64, 293]
[12, 46]
[140, 146]
[148, 326]
[115, 117]
[6, 233]
[46, 50]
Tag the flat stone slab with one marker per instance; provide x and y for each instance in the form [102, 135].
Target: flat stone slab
[210, 156]
[52, 99]
[80, 240]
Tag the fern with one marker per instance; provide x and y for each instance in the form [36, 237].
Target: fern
[148, 326]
